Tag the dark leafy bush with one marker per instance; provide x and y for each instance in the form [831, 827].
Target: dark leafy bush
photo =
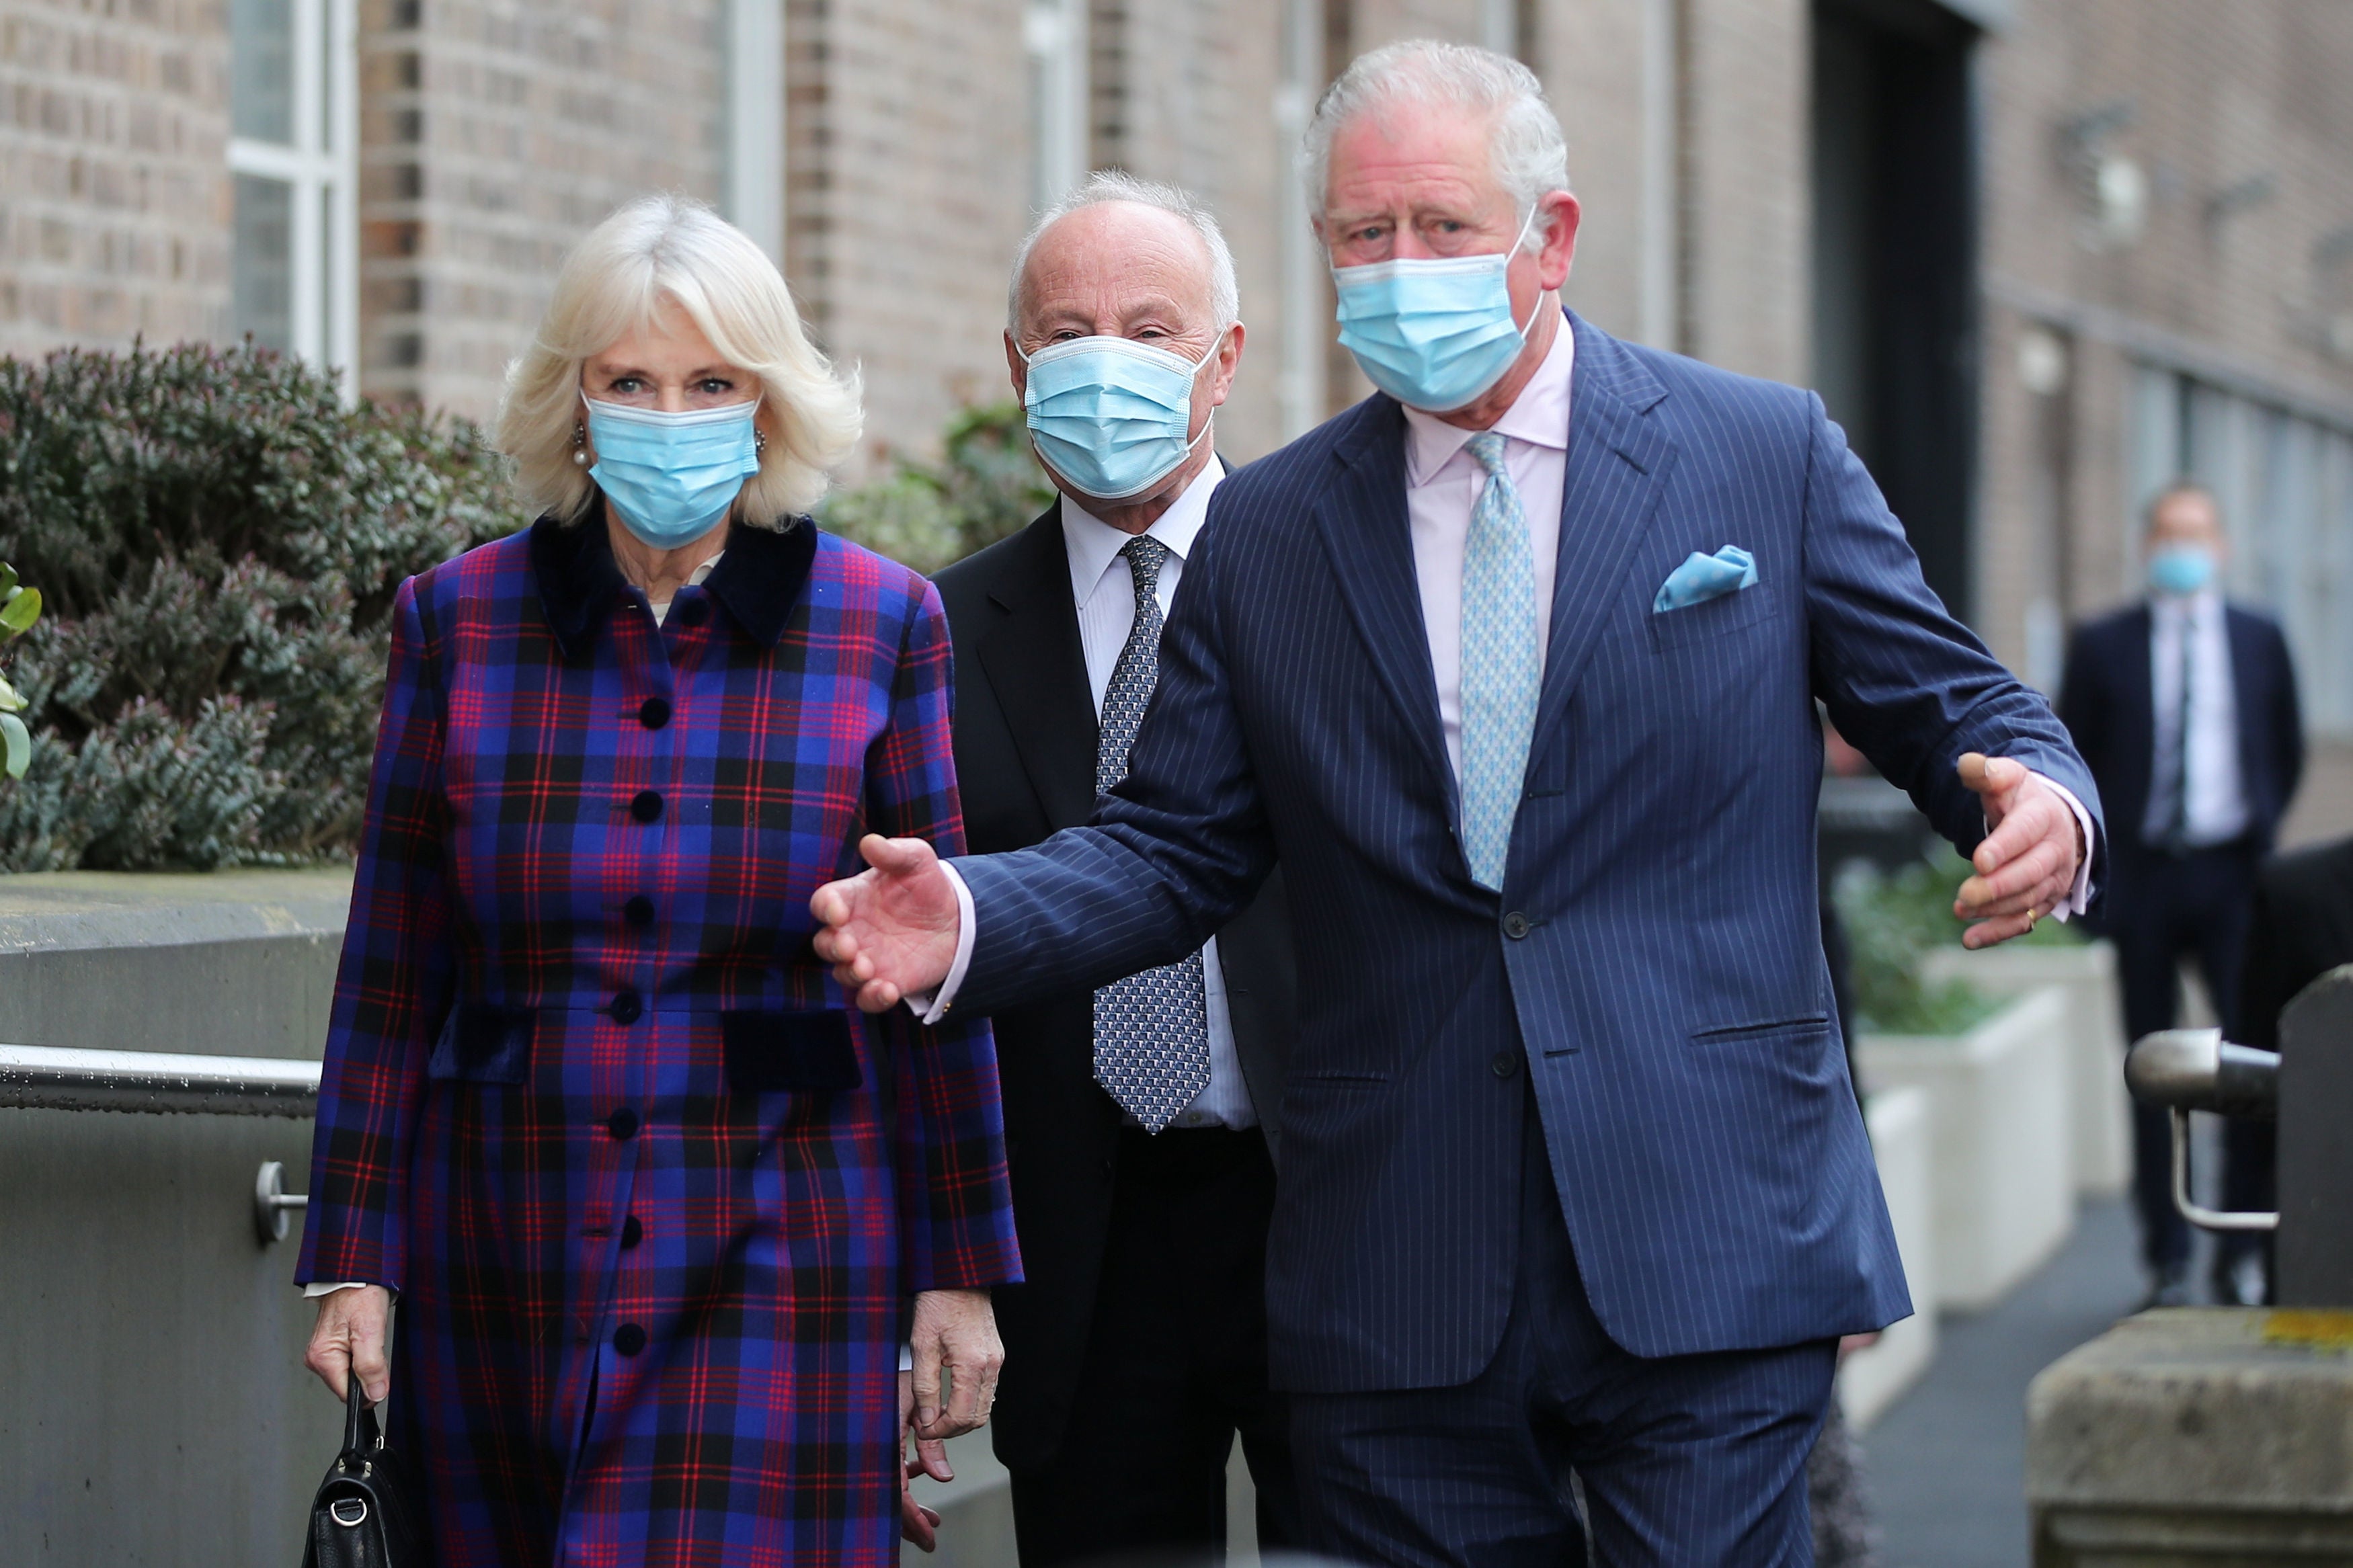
[926, 516]
[219, 538]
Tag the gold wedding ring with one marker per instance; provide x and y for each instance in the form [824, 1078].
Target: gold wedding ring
[2033, 915]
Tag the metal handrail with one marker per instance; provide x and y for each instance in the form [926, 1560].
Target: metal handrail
[54, 1077]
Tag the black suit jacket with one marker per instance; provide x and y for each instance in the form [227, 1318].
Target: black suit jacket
[2107, 705]
[1025, 753]
[2302, 928]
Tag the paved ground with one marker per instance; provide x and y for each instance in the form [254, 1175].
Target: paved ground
[1947, 1463]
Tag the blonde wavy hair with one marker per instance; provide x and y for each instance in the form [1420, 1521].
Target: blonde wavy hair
[670, 249]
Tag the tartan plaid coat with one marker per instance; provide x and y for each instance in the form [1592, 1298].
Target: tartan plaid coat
[653, 1196]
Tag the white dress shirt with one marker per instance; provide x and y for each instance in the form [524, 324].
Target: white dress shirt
[1443, 482]
[1104, 592]
[2215, 803]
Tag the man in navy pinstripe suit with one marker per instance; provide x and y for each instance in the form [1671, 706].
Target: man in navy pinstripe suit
[1512, 666]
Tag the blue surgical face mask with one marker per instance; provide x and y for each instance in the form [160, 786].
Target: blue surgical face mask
[2182, 569]
[1108, 415]
[1434, 333]
[671, 477]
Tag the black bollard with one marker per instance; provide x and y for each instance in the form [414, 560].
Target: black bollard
[2316, 1145]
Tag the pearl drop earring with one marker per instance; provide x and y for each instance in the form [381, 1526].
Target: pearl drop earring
[580, 444]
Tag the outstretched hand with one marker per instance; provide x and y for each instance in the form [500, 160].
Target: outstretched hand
[2026, 866]
[891, 929]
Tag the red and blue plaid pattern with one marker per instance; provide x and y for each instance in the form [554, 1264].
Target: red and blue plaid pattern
[654, 1196]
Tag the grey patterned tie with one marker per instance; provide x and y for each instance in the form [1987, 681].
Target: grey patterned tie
[1152, 1030]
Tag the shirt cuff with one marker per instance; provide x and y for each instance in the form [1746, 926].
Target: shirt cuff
[2079, 897]
[930, 1006]
[324, 1287]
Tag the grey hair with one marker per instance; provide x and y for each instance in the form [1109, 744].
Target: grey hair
[1531, 155]
[1117, 185]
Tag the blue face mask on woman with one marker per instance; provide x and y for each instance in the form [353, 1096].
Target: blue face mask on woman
[1109, 414]
[1433, 333]
[671, 477]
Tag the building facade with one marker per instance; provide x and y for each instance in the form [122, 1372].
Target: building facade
[2039, 256]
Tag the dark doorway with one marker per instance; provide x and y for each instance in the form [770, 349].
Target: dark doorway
[1894, 172]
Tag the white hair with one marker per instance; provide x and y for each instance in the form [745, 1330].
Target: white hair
[1117, 185]
[1531, 155]
[670, 250]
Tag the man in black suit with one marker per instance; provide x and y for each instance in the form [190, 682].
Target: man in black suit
[1136, 1350]
[2185, 706]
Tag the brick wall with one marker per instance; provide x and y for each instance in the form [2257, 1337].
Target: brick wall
[908, 191]
[494, 133]
[1745, 184]
[114, 192]
[1195, 88]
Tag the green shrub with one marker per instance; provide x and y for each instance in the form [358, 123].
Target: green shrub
[1890, 921]
[220, 538]
[928, 516]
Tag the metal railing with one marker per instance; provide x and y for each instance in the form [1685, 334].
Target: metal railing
[58, 1077]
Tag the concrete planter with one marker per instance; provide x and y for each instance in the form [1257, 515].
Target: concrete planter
[1901, 1140]
[2096, 1034]
[2003, 1163]
[153, 1405]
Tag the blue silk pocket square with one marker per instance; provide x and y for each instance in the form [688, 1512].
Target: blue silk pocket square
[1704, 577]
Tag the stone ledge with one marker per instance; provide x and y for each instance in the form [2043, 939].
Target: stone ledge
[2228, 1411]
[62, 910]
[239, 963]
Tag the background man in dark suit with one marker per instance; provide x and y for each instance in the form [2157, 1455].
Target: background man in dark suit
[2185, 706]
[1514, 668]
[1137, 1351]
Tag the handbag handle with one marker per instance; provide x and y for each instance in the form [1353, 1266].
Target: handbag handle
[360, 1431]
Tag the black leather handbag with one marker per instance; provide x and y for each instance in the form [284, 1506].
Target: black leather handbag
[365, 1514]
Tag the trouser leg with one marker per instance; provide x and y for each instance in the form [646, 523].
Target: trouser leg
[1175, 1363]
[1691, 1461]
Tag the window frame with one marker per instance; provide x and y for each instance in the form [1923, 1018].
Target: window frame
[322, 167]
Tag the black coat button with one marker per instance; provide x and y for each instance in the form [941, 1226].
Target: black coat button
[646, 806]
[1516, 925]
[622, 1123]
[628, 1007]
[632, 1232]
[653, 714]
[696, 611]
[1505, 1064]
[629, 1339]
[638, 911]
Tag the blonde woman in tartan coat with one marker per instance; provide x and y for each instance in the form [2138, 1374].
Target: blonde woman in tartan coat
[658, 1206]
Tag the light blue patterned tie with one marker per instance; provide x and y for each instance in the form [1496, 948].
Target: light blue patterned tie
[1152, 1030]
[1501, 669]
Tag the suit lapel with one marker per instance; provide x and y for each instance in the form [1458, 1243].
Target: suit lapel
[1370, 541]
[1618, 465]
[1038, 671]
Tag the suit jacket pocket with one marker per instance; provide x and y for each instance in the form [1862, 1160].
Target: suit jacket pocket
[483, 1042]
[1778, 1029]
[1719, 616]
[791, 1053]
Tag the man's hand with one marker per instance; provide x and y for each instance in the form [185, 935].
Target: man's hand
[350, 1336]
[916, 1523]
[891, 930]
[955, 1332]
[2026, 866]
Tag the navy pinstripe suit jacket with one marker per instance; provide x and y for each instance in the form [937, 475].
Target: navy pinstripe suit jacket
[1654, 959]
